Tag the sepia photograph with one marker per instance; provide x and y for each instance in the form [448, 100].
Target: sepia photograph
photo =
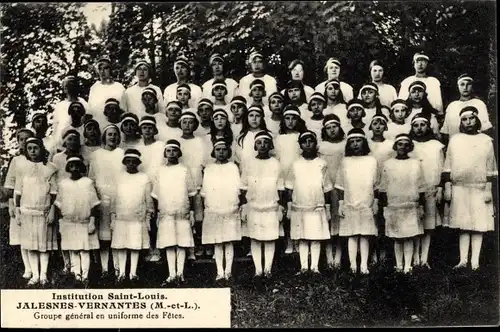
[249, 164]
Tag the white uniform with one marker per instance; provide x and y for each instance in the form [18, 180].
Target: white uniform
[170, 94]
[133, 100]
[346, 89]
[98, 95]
[451, 125]
[433, 88]
[270, 83]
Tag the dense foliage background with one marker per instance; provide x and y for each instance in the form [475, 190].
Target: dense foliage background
[41, 43]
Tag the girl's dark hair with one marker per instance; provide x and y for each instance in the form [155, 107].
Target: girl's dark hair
[227, 132]
[83, 168]
[229, 150]
[96, 124]
[300, 127]
[427, 108]
[44, 153]
[137, 133]
[365, 149]
[477, 127]
[340, 137]
[340, 97]
[412, 146]
[245, 127]
[292, 85]
[427, 136]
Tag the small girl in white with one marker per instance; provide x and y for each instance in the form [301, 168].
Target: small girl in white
[221, 193]
[469, 170]
[78, 206]
[131, 214]
[314, 119]
[174, 190]
[263, 186]
[238, 108]
[398, 123]
[276, 107]
[355, 115]
[356, 182]
[131, 135]
[310, 186]
[402, 194]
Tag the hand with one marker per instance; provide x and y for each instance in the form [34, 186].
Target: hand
[191, 218]
[289, 210]
[51, 215]
[328, 209]
[341, 208]
[439, 195]
[375, 206]
[12, 209]
[488, 197]
[18, 216]
[421, 212]
[243, 212]
[281, 212]
[447, 191]
[91, 226]
[112, 216]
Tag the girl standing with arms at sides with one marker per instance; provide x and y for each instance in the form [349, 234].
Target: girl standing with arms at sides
[356, 184]
[112, 112]
[276, 106]
[92, 138]
[296, 68]
[287, 151]
[262, 187]
[105, 165]
[221, 193]
[35, 191]
[205, 110]
[171, 130]
[150, 101]
[76, 111]
[238, 109]
[452, 115]
[102, 90]
[295, 95]
[402, 194]
[398, 123]
[217, 64]
[356, 115]
[310, 208]
[418, 103]
[468, 185]
[386, 92]
[335, 103]
[174, 190]
[77, 205]
[17, 164]
[182, 72]
[314, 120]
[430, 152]
[332, 70]
[131, 214]
[331, 149]
[256, 64]
[370, 96]
[193, 157]
[131, 135]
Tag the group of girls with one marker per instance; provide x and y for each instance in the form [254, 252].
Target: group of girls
[195, 172]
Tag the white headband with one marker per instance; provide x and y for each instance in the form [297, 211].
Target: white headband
[184, 88]
[307, 133]
[220, 143]
[319, 97]
[237, 101]
[402, 104]
[332, 83]
[292, 112]
[258, 85]
[111, 102]
[205, 103]
[129, 118]
[254, 55]
[400, 138]
[131, 155]
[355, 105]
[367, 87]
[333, 61]
[420, 56]
[379, 117]
[216, 85]
[417, 86]
[147, 121]
[419, 118]
[465, 78]
[467, 113]
[110, 126]
[223, 113]
[187, 115]
[330, 122]
[378, 66]
[73, 159]
[355, 135]
[254, 109]
[172, 145]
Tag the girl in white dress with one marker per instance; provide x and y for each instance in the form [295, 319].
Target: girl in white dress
[40, 126]
[356, 181]
[430, 152]
[76, 112]
[310, 188]
[295, 95]
[398, 115]
[183, 96]
[238, 107]
[221, 193]
[257, 94]
[402, 192]
[418, 103]
[131, 135]
[15, 165]
[35, 191]
[469, 170]
[112, 112]
[276, 107]
[182, 70]
[387, 93]
[170, 129]
[91, 138]
[204, 111]
[335, 102]
[331, 149]
[370, 95]
[105, 164]
[77, 206]
[262, 187]
[131, 214]
[332, 70]
[219, 128]
[256, 65]
[219, 93]
[287, 150]
[315, 116]
[355, 115]
[150, 100]
[174, 190]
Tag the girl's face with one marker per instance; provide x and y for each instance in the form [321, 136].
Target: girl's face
[187, 125]
[465, 88]
[104, 70]
[113, 113]
[293, 94]
[217, 68]
[368, 96]
[172, 154]
[356, 144]
[417, 94]
[221, 152]
[148, 100]
[257, 93]
[21, 140]
[131, 164]
[376, 73]
[403, 147]
[112, 137]
[183, 96]
[237, 110]
[308, 145]
[34, 151]
[148, 130]
[276, 105]
[291, 121]
[72, 142]
[91, 132]
[174, 113]
[400, 114]
[142, 73]
[420, 65]
[76, 113]
[73, 167]
[333, 71]
[129, 128]
[469, 122]
[355, 113]
[378, 126]
[254, 120]
[263, 146]
[205, 112]
[257, 65]
[220, 122]
[420, 128]
[219, 93]
[181, 71]
[317, 106]
[332, 91]
[71, 88]
[40, 124]
[332, 130]
[297, 73]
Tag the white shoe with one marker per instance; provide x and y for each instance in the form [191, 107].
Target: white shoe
[219, 277]
[27, 275]
[33, 281]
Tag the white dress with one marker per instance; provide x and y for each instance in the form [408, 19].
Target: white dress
[346, 89]
[358, 178]
[451, 125]
[433, 90]
[61, 119]
[370, 113]
[221, 189]
[339, 110]
[434, 123]
[394, 129]
[152, 158]
[166, 133]
[172, 188]
[269, 83]
[244, 149]
[287, 150]
[386, 94]
[76, 199]
[333, 153]
[133, 100]
[272, 125]
[98, 95]
[403, 182]
[170, 94]
[315, 126]
[231, 86]
[132, 202]
[309, 180]
[431, 157]
[470, 159]
[262, 180]
[382, 151]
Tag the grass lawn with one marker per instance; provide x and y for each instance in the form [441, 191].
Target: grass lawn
[441, 296]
